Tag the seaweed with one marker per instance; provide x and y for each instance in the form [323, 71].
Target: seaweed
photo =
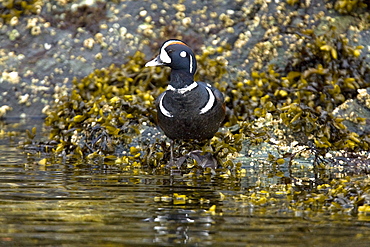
[15, 8]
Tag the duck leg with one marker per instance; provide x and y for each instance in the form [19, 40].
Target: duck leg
[179, 161]
[172, 143]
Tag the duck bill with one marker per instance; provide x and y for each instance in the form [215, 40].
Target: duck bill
[155, 62]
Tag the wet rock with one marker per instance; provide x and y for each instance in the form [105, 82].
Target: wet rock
[356, 113]
[64, 40]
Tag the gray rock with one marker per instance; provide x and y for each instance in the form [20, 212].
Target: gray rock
[356, 113]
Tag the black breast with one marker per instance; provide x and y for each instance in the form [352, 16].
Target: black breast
[186, 121]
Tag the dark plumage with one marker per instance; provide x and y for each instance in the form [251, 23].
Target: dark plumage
[187, 109]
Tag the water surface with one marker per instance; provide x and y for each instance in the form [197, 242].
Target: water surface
[77, 203]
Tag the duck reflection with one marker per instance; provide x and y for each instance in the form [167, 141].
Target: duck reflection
[180, 226]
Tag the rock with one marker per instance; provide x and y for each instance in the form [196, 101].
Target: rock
[63, 40]
[356, 113]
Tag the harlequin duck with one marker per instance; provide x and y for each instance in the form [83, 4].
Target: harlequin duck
[187, 109]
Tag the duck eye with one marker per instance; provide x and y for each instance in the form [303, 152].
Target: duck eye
[183, 54]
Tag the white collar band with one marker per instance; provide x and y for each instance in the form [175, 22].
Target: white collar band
[184, 89]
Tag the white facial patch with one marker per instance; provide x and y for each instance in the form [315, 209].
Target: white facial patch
[210, 102]
[163, 56]
[184, 89]
[183, 54]
[191, 63]
[162, 108]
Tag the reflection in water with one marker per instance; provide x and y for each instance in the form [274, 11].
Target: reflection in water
[179, 226]
[94, 204]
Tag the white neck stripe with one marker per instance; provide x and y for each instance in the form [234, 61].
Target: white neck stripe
[210, 103]
[191, 63]
[184, 89]
[162, 109]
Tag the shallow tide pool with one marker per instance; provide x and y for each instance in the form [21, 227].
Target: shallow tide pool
[77, 203]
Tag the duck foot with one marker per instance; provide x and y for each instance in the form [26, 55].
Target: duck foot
[203, 160]
[176, 162]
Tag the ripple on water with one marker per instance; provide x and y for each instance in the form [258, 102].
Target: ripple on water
[98, 205]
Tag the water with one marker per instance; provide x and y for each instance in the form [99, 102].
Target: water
[77, 203]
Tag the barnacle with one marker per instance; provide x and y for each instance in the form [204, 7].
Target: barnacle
[4, 109]
[323, 73]
[107, 112]
[84, 16]
[106, 118]
[102, 110]
[329, 72]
